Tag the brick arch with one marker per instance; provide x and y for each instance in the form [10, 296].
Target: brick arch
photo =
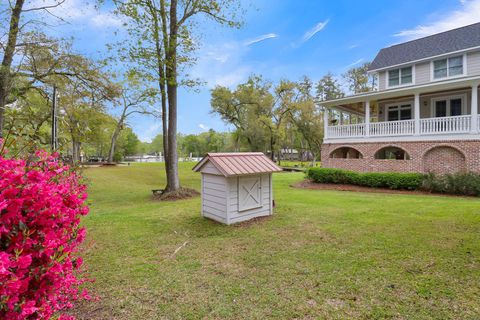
[330, 155]
[392, 146]
[444, 159]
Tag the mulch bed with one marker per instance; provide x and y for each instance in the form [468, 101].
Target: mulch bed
[180, 194]
[308, 184]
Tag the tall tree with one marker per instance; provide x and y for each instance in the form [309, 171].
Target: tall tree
[307, 118]
[13, 30]
[359, 80]
[136, 97]
[328, 88]
[257, 110]
[243, 108]
[163, 31]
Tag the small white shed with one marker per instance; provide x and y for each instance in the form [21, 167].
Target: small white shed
[236, 186]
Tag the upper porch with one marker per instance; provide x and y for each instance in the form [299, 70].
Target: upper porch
[438, 111]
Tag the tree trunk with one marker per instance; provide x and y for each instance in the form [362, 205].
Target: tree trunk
[7, 60]
[173, 182]
[75, 151]
[162, 77]
[115, 135]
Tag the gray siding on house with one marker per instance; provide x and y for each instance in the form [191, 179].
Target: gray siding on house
[214, 198]
[382, 80]
[473, 63]
[422, 73]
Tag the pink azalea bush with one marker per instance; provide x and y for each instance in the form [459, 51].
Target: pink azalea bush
[41, 202]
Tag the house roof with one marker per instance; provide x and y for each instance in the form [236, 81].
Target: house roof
[239, 163]
[438, 44]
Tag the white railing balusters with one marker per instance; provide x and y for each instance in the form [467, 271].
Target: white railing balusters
[428, 126]
[392, 128]
[346, 131]
[457, 124]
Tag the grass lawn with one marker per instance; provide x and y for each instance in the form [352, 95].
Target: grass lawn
[324, 254]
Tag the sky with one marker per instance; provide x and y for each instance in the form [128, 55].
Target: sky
[280, 39]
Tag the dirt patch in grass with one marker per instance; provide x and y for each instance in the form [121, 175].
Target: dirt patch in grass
[253, 221]
[308, 184]
[180, 194]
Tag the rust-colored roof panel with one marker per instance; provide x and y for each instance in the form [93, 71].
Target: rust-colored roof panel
[239, 163]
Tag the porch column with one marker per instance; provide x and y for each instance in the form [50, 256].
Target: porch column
[325, 123]
[417, 113]
[474, 109]
[367, 118]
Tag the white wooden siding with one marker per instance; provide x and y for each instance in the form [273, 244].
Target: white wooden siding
[220, 198]
[214, 197]
[473, 63]
[210, 168]
[265, 209]
[422, 73]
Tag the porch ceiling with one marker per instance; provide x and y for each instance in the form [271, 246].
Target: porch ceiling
[352, 103]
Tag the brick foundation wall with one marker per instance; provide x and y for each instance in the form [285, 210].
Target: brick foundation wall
[425, 156]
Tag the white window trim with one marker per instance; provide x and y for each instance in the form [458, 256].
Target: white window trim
[432, 70]
[398, 104]
[387, 82]
[463, 97]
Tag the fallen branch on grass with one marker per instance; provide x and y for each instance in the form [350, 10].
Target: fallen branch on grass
[178, 249]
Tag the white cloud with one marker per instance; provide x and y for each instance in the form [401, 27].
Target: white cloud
[203, 127]
[105, 20]
[77, 11]
[353, 46]
[222, 64]
[468, 13]
[149, 133]
[313, 31]
[261, 38]
[354, 63]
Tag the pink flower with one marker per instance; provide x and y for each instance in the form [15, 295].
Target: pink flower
[28, 308]
[4, 263]
[40, 205]
[24, 261]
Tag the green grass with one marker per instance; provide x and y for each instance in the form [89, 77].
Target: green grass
[325, 254]
[298, 164]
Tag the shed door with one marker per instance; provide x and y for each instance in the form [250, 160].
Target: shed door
[249, 193]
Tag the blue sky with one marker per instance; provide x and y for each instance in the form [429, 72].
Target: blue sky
[280, 39]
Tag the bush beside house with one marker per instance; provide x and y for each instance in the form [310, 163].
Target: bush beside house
[392, 180]
[458, 183]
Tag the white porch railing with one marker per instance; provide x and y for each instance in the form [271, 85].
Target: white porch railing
[392, 128]
[428, 126]
[346, 131]
[458, 124]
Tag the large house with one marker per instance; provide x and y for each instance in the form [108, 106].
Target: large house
[423, 117]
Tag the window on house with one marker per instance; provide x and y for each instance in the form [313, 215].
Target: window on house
[399, 112]
[447, 107]
[400, 76]
[392, 153]
[448, 67]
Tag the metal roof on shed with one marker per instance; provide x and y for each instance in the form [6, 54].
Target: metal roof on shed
[239, 163]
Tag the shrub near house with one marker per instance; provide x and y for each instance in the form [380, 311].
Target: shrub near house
[392, 180]
[458, 183]
[41, 202]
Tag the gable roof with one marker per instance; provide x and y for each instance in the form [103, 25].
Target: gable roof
[434, 45]
[239, 163]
